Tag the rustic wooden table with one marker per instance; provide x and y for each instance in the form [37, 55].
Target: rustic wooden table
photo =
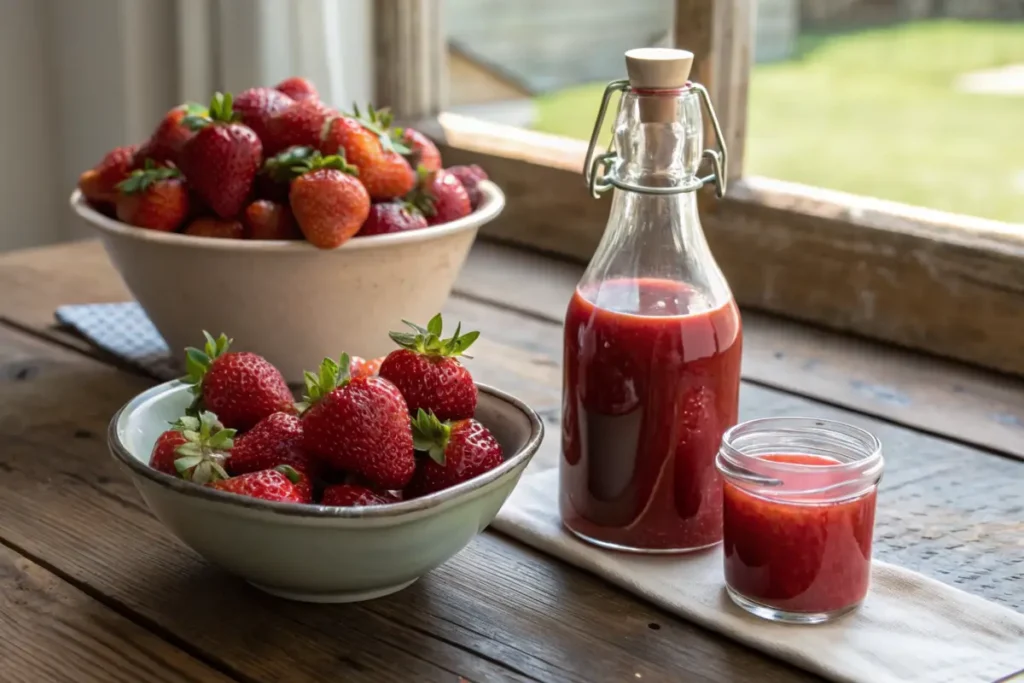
[94, 589]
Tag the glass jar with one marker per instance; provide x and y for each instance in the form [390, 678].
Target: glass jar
[652, 336]
[798, 516]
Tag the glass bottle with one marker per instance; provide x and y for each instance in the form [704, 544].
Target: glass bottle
[652, 333]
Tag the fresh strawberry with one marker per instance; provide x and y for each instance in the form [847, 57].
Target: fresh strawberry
[360, 367]
[298, 88]
[266, 220]
[195, 448]
[215, 227]
[241, 388]
[301, 124]
[457, 452]
[390, 217]
[470, 177]
[153, 197]
[99, 184]
[366, 143]
[422, 150]
[257, 106]
[441, 197]
[283, 484]
[427, 371]
[170, 136]
[274, 179]
[275, 440]
[358, 425]
[352, 495]
[329, 203]
[221, 160]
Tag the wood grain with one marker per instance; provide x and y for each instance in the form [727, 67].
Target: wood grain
[496, 612]
[51, 631]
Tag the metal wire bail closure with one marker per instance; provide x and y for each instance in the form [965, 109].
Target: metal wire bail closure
[598, 169]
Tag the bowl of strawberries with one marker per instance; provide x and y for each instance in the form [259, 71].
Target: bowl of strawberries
[381, 472]
[301, 228]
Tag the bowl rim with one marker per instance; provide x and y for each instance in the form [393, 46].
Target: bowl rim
[315, 511]
[492, 203]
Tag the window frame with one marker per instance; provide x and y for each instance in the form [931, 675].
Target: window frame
[948, 284]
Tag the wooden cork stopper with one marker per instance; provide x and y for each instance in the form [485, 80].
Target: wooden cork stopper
[658, 68]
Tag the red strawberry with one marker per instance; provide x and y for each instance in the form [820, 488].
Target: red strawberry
[241, 388]
[427, 371]
[275, 440]
[298, 88]
[458, 452]
[170, 136]
[470, 177]
[257, 106]
[154, 198]
[422, 150]
[392, 217]
[274, 179]
[214, 227]
[99, 183]
[366, 144]
[329, 204]
[221, 160]
[360, 367]
[301, 124]
[266, 220]
[353, 495]
[441, 197]
[358, 425]
[282, 484]
[194, 449]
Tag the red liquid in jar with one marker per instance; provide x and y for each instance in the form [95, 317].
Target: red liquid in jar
[649, 388]
[798, 557]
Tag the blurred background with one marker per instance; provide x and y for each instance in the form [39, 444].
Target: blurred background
[916, 101]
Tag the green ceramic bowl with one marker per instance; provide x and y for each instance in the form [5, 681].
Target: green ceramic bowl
[316, 553]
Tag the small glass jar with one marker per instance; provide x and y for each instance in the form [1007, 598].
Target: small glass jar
[798, 516]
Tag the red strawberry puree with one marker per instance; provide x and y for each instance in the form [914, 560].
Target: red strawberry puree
[651, 382]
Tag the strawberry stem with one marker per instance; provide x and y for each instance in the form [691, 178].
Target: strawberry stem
[203, 453]
[333, 374]
[428, 342]
[144, 178]
[197, 363]
[430, 435]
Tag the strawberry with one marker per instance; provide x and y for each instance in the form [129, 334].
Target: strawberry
[441, 197]
[275, 440]
[193, 449]
[422, 150]
[242, 388]
[257, 106]
[99, 183]
[353, 495]
[301, 124]
[390, 217]
[298, 88]
[360, 367]
[329, 203]
[457, 452]
[366, 143]
[266, 220]
[214, 227]
[282, 484]
[427, 371]
[153, 197]
[470, 177]
[358, 425]
[279, 170]
[220, 161]
[170, 136]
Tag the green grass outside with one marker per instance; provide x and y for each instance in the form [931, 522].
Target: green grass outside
[875, 112]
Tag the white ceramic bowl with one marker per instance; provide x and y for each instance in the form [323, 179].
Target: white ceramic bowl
[288, 301]
[315, 553]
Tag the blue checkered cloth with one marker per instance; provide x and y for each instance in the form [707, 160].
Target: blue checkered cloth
[123, 330]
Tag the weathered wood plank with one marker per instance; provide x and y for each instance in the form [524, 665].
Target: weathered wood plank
[51, 631]
[498, 611]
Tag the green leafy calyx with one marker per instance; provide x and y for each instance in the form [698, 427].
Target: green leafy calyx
[378, 122]
[220, 111]
[282, 167]
[290, 472]
[197, 363]
[427, 340]
[333, 374]
[144, 178]
[302, 164]
[203, 454]
[430, 435]
[420, 196]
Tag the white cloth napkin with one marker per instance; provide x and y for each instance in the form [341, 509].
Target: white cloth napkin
[910, 628]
